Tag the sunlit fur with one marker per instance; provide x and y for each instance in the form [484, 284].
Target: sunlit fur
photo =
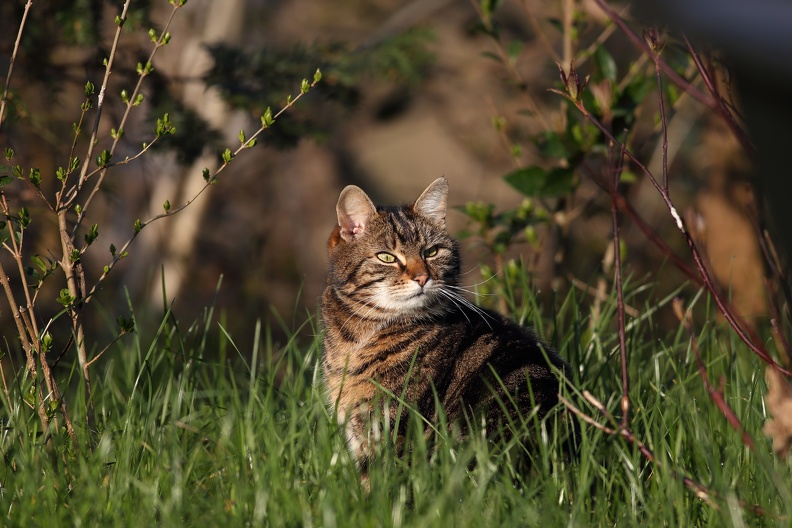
[379, 318]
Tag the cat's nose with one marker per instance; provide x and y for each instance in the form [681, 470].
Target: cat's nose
[421, 279]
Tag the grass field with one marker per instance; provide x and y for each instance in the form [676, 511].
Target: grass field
[194, 432]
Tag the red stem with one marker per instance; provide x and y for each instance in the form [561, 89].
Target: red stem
[691, 90]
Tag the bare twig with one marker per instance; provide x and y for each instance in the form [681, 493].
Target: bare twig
[11, 61]
[539, 31]
[721, 106]
[617, 165]
[667, 69]
[105, 349]
[579, 284]
[656, 46]
[702, 492]
[17, 254]
[745, 333]
[716, 394]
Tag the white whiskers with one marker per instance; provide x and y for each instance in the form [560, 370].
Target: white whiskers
[460, 302]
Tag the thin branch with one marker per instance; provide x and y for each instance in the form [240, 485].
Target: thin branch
[579, 284]
[668, 70]
[721, 106]
[21, 330]
[5, 389]
[701, 491]
[510, 67]
[538, 30]
[120, 253]
[105, 349]
[716, 394]
[17, 254]
[656, 47]
[130, 103]
[745, 333]
[125, 161]
[11, 61]
[99, 106]
[617, 166]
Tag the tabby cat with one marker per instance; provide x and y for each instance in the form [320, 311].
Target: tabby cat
[393, 305]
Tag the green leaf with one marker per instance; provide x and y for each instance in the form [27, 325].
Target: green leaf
[490, 55]
[241, 136]
[305, 86]
[205, 174]
[164, 126]
[536, 181]
[104, 158]
[65, 297]
[317, 76]
[126, 325]
[514, 49]
[5, 180]
[92, 234]
[480, 212]
[606, 64]
[552, 145]
[39, 262]
[267, 119]
[138, 225]
[24, 218]
[9, 153]
[227, 156]
[166, 206]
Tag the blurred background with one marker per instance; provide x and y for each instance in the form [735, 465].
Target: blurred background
[410, 91]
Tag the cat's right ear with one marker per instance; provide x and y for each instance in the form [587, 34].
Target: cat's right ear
[354, 210]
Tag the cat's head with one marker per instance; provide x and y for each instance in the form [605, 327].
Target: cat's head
[396, 260]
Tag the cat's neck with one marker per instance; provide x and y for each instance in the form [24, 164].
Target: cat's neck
[359, 322]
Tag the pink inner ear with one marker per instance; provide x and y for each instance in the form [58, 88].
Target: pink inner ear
[357, 229]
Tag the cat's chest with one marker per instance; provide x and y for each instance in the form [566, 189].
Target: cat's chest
[389, 351]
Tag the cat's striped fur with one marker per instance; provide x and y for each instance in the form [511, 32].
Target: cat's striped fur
[393, 300]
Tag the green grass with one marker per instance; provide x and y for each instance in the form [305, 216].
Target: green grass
[197, 433]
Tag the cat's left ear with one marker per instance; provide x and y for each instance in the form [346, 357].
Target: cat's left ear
[354, 210]
[433, 202]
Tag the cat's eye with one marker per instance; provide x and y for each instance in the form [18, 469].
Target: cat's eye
[386, 257]
[430, 252]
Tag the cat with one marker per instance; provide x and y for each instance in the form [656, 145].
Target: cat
[392, 305]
